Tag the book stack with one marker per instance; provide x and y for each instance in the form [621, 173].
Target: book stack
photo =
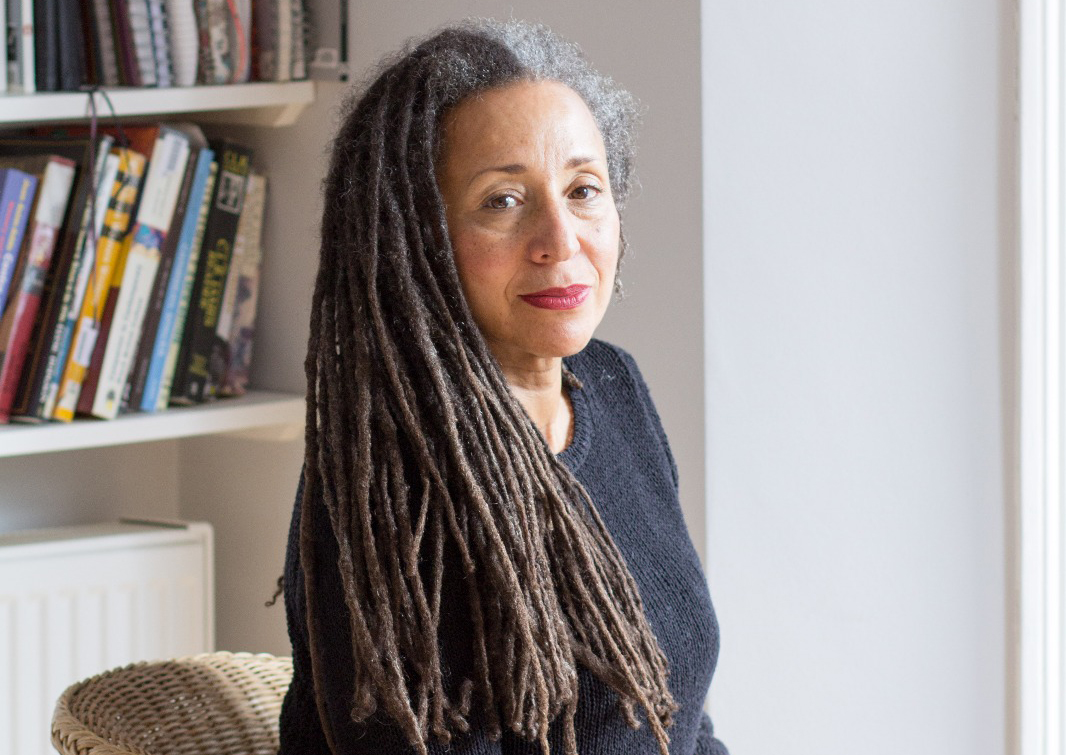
[129, 271]
[66, 45]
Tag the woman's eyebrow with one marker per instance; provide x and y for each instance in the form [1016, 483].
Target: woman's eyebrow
[515, 168]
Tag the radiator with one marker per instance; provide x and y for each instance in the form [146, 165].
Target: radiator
[76, 601]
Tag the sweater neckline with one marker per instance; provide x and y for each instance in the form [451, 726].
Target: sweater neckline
[574, 454]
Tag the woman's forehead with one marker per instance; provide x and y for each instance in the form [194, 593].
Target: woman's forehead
[543, 120]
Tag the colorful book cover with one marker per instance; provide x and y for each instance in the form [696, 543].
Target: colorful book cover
[96, 362]
[124, 192]
[184, 269]
[17, 190]
[181, 316]
[17, 322]
[166, 173]
[196, 378]
[236, 329]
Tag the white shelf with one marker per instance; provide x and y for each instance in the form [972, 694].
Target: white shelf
[257, 414]
[257, 104]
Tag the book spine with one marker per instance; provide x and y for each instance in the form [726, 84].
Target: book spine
[27, 54]
[141, 32]
[220, 42]
[15, 201]
[198, 197]
[199, 368]
[157, 20]
[17, 322]
[184, 41]
[116, 224]
[103, 332]
[134, 388]
[77, 283]
[4, 37]
[166, 171]
[181, 315]
[70, 46]
[285, 40]
[299, 41]
[125, 47]
[238, 329]
[105, 39]
[46, 44]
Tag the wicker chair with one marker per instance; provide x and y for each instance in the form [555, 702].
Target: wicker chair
[211, 704]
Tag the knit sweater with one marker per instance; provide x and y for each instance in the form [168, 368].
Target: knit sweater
[620, 454]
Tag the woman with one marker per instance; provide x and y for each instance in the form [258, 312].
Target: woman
[487, 552]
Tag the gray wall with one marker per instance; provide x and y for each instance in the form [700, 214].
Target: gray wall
[854, 159]
[653, 50]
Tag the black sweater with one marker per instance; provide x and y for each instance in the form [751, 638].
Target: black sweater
[620, 454]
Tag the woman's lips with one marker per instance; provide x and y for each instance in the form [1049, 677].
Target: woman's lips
[558, 298]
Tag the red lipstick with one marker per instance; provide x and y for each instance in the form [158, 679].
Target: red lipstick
[570, 297]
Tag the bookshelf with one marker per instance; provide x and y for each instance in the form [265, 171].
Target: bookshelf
[254, 104]
[257, 414]
[232, 462]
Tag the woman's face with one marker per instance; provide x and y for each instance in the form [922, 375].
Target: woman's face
[532, 220]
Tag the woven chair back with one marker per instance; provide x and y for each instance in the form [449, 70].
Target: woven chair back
[210, 704]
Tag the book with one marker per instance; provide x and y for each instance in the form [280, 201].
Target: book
[157, 24]
[140, 24]
[183, 41]
[299, 41]
[103, 37]
[285, 40]
[22, 65]
[180, 281]
[103, 331]
[177, 338]
[124, 192]
[196, 377]
[236, 326]
[163, 183]
[17, 190]
[70, 46]
[221, 42]
[35, 165]
[134, 388]
[16, 324]
[46, 44]
[3, 46]
[125, 47]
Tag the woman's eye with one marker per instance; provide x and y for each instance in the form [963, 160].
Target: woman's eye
[502, 202]
[588, 191]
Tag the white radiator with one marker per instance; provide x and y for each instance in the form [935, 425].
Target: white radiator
[76, 601]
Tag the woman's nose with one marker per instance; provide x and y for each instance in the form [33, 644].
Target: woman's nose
[555, 234]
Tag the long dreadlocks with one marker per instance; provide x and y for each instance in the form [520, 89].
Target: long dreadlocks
[414, 439]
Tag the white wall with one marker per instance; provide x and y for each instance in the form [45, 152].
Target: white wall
[854, 200]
